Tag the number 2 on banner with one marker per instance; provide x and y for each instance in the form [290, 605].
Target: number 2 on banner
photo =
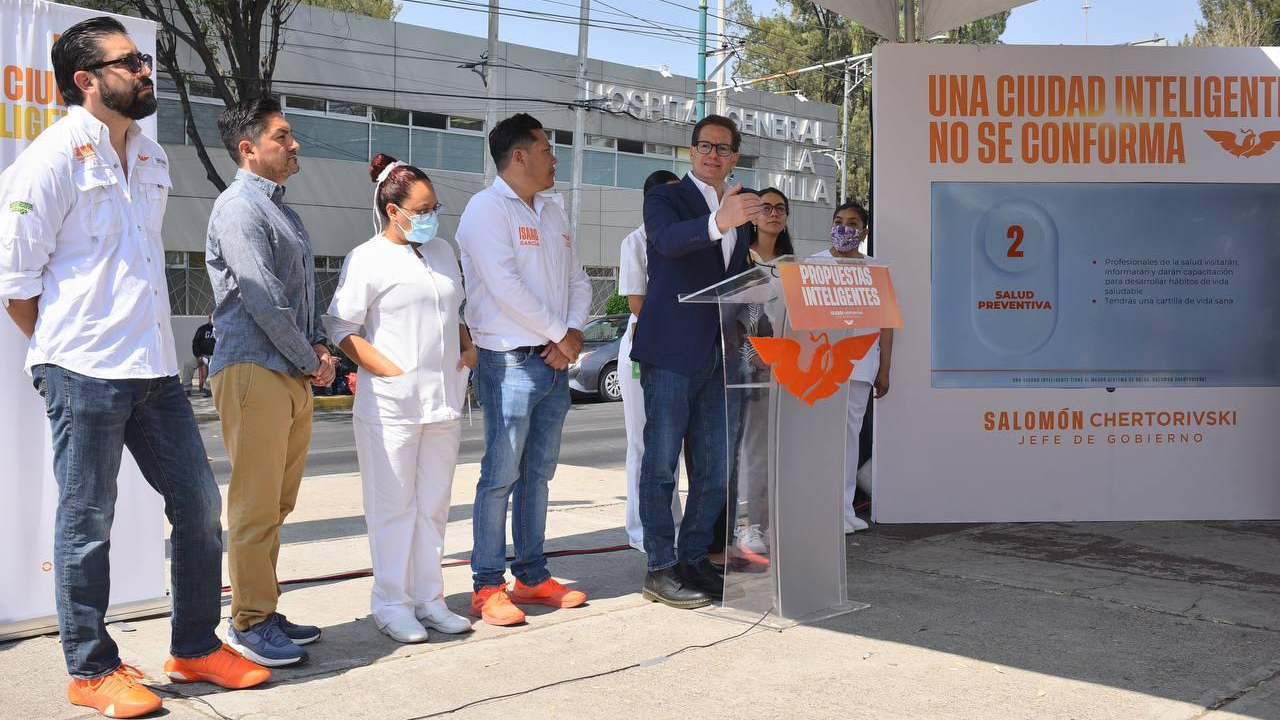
[1016, 234]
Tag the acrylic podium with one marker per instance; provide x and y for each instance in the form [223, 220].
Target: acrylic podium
[786, 395]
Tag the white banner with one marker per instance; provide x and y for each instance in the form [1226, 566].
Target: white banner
[29, 102]
[1083, 241]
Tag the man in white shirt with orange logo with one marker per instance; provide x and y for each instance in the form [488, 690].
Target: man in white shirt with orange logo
[527, 299]
[82, 276]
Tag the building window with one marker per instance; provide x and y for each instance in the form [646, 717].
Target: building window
[190, 292]
[170, 125]
[391, 115]
[293, 102]
[430, 120]
[564, 163]
[393, 141]
[328, 268]
[448, 151]
[604, 281]
[599, 168]
[633, 170]
[463, 123]
[351, 109]
[330, 138]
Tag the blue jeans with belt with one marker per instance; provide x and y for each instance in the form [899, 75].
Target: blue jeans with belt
[92, 421]
[682, 409]
[525, 402]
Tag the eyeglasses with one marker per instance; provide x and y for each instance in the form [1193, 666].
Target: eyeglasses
[779, 209]
[704, 147]
[134, 63]
[432, 211]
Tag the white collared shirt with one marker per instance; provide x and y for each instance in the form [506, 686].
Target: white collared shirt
[633, 270]
[525, 284]
[727, 238]
[407, 308]
[77, 232]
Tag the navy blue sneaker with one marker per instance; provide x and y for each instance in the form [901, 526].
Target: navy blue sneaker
[299, 634]
[265, 644]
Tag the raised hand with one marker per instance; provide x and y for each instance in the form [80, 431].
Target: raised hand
[737, 208]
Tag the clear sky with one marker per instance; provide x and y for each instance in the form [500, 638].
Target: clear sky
[673, 43]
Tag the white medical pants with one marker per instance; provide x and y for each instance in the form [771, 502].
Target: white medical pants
[407, 475]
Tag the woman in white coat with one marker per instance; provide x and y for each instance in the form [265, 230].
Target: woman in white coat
[396, 313]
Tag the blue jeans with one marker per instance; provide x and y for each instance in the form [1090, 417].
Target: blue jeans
[92, 421]
[691, 409]
[525, 402]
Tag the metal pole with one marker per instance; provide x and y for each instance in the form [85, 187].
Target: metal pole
[909, 20]
[722, 102]
[700, 107]
[844, 134]
[579, 123]
[491, 83]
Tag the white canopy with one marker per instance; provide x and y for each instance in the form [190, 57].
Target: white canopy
[936, 16]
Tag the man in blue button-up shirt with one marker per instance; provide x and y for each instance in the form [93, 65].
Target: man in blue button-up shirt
[270, 345]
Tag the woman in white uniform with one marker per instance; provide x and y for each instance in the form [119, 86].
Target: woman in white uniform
[633, 283]
[849, 229]
[396, 313]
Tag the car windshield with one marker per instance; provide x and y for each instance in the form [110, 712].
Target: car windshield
[604, 329]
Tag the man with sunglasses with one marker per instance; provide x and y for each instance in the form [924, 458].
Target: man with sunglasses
[82, 275]
[697, 236]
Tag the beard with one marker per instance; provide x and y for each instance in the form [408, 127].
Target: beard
[133, 104]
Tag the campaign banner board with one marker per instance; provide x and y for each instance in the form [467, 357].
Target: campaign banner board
[839, 294]
[29, 102]
[1085, 241]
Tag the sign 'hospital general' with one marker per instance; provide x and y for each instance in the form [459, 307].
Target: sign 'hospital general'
[795, 173]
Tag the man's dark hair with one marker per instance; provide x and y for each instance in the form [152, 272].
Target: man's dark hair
[723, 122]
[78, 47]
[246, 120]
[856, 207]
[513, 132]
[658, 177]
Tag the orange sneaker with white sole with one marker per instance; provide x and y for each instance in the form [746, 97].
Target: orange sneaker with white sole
[548, 592]
[117, 695]
[492, 605]
[223, 667]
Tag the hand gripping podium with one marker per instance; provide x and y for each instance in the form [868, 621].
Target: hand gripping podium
[791, 332]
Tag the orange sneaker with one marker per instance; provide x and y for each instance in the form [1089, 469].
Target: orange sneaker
[548, 592]
[118, 695]
[223, 667]
[492, 605]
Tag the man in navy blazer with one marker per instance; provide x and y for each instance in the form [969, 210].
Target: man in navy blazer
[698, 232]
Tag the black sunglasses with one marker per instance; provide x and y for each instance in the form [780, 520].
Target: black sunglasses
[133, 63]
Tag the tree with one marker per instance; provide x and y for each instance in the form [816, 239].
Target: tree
[1245, 23]
[803, 33]
[616, 305]
[234, 44]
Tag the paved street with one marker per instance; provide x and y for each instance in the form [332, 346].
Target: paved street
[593, 437]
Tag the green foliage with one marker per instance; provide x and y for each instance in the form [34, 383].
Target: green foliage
[382, 9]
[1247, 23]
[616, 305]
[802, 33]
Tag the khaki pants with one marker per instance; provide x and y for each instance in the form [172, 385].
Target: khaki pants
[266, 425]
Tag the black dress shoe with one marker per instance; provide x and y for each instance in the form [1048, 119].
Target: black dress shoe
[703, 576]
[669, 588]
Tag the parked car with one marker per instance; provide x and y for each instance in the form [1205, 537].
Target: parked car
[596, 371]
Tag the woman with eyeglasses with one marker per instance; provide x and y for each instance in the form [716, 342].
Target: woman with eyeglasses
[850, 227]
[772, 240]
[396, 313]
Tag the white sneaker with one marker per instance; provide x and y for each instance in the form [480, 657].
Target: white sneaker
[864, 477]
[405, 630]
[443, 619]
[751, 540]
[854, 525]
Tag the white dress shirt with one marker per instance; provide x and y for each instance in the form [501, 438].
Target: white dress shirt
[866, 369]
[79, 233]
[407, 308]
[525, 284]
[633, 273]
[727, 238]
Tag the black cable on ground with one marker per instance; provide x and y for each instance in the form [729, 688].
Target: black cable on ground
[632, 666]
[196, 698]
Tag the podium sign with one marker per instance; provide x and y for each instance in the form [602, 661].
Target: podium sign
[786, 397]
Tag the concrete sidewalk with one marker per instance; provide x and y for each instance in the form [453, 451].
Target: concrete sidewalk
[1171, 621]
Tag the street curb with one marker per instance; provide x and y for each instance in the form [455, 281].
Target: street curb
[323, 404]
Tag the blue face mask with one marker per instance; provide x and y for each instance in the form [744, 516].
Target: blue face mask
[422, 227]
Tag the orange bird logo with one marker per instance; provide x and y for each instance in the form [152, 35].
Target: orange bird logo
[829, 365]
[1252, 145]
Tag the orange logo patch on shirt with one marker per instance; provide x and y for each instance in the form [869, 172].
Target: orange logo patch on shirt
[84, 152]
[528, 235]
[143, 158]
[568, 241]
